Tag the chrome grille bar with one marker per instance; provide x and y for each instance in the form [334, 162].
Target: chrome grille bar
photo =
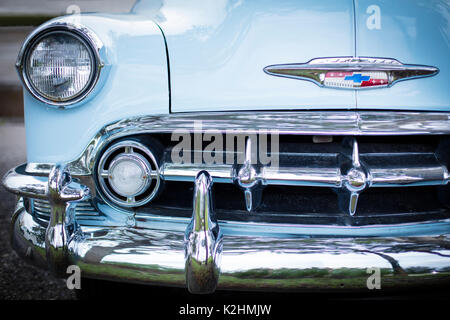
[430, 174]
[422, 176]
[296, 176]
[349, 172]
[334, 123]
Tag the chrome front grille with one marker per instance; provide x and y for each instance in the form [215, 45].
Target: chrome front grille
[405, 179]
[41, 210]
[349, 181]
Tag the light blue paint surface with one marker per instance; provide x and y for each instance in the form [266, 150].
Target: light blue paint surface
[134, 82]
[413, 32]
[218, 50]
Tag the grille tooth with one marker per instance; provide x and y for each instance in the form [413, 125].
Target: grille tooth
[42, 210]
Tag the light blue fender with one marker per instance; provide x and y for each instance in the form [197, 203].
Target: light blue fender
[133, 82]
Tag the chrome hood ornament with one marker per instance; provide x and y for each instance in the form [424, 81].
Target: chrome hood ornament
[352, 73]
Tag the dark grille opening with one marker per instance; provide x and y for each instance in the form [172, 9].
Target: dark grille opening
[367, 144]
[394, 144]
[395, 200]
[308, 200]
[307, 205]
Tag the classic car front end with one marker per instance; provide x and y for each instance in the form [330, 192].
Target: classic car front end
[239, 145]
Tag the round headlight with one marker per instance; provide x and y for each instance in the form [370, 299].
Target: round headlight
[60, 65]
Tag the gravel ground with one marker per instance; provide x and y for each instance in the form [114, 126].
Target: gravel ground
[18, 280]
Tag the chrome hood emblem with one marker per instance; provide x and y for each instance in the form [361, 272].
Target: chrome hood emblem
[352, 73]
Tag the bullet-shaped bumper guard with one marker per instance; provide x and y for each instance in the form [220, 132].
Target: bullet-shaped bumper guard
[62, 194]
[203, 240]
[163, 255]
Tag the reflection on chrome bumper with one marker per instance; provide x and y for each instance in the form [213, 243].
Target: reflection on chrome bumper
[153, 256]
[262, 257]
[156, 257]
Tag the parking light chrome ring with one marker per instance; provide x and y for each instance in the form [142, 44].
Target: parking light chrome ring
[134, 151]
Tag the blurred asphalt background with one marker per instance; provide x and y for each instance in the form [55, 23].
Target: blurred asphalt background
[17, 19]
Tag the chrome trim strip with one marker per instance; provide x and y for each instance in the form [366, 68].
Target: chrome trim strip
[433, 174]
[317, 70]
[393, 177]
[317, 177]
[156, 257]
[351, 175]
[295, 176]
[38, 169]
[342, 123]
[222, 173]
[93, 42]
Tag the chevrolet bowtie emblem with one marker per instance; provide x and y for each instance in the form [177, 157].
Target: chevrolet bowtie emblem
[352, 73]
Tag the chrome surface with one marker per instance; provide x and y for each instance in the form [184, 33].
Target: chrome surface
[348, 171]
[61, 193]
[247, 177]
[24, 185]
[203, 240]
[349, 175]
[357, 177]
[93, 41]
[427, 174]
[316, 176]
[155, 256]
[321, 70]
[149, 162]
[84, 211]
[154, 252]
[38, 169]
[144, 220]
[348, 123]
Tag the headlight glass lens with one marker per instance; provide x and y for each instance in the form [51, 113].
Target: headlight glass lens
[60, 66]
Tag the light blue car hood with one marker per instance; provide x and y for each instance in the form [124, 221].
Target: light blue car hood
[218, 49]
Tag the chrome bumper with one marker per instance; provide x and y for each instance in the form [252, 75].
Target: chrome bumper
[269, 257]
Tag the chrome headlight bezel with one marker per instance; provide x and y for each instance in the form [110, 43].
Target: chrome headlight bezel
[81, 33]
